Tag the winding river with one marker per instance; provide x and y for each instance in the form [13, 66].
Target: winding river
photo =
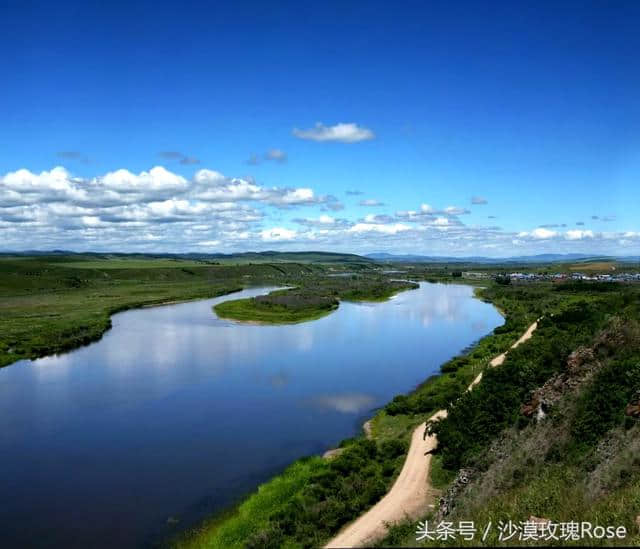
[175, 414]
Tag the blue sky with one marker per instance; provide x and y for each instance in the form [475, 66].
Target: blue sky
[196, 127]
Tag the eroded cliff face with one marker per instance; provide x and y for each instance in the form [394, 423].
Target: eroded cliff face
[581, 365]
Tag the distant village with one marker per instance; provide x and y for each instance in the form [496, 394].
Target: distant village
[554, 277]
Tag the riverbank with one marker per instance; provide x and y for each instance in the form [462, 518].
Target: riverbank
[80, 318]
[327, 494]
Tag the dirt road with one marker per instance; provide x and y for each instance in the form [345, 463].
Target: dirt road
[410, 494]
[407, 497]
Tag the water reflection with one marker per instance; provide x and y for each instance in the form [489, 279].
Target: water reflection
[349, 403]
[175, 407]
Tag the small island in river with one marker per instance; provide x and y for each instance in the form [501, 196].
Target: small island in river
[310, 301]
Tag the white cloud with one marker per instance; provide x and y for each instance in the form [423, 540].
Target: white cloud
[542, 233]
[277, 234]
[158, 210]
[156, 179]
[123, 210]
[296, 196]
[578, 234]
[379, 228]
[209, 177]
[326, 220]
[428, 213]
[441, 221]
[343, 133]
[24, 187]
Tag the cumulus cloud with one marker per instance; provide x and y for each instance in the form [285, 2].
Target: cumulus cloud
[156, 180]
[540, 233]
[215, 187]
[159, 210]
[125, 210]
[578, 234]
[543, 233]
[353, 192]
[342, 133]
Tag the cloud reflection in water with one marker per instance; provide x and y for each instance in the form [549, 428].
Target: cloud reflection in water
[347, 403]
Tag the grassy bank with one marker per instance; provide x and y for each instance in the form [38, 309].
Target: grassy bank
[241, 526]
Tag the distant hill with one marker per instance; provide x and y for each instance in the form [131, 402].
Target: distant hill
[540, 258]
[272, 256]
[244, 257]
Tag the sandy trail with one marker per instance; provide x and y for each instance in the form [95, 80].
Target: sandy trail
[410, 494]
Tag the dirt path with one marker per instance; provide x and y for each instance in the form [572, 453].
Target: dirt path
[410, 494]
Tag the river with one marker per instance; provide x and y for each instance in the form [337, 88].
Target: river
[175, 414]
